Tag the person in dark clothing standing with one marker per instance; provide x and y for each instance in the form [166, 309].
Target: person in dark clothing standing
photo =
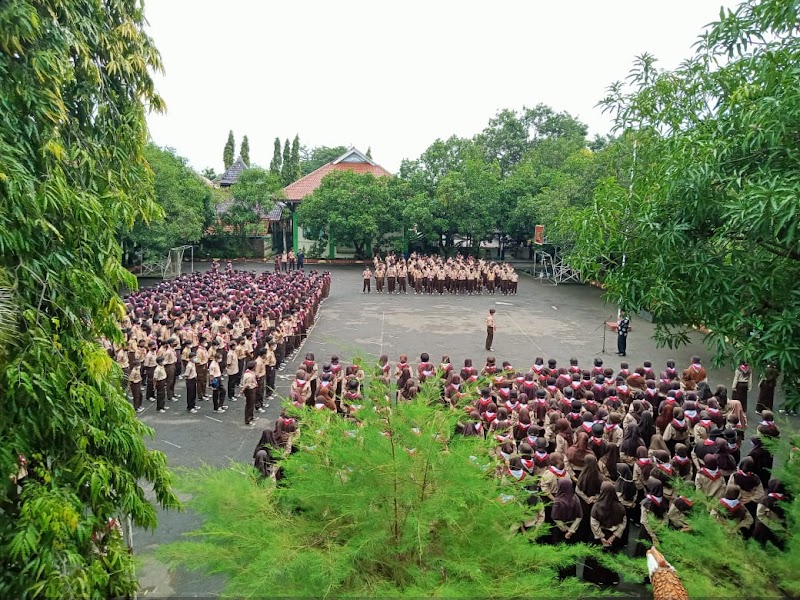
[623, 326]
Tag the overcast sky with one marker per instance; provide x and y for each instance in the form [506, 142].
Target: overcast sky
[394, 75]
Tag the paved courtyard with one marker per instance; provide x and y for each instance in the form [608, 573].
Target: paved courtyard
[544, 320]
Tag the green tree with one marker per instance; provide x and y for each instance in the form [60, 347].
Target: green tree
[351, 208]
[244, 152]
[708, 227]
[296, 158]
[228, 152]
[186, 204]
[252, 197]
[73, 173]
[369, 152]
[313, 159]
[209, 173]
[276, 162]
[397, 505]
[286, 166]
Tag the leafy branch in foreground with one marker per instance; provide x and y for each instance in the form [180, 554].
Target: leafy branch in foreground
[395, 505]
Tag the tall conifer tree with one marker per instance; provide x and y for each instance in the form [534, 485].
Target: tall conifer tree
[244, 151]
[230, 148]
[276, 163]
[296, 158]
[286, 168]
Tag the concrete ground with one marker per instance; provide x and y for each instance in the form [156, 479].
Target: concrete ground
[544, 320]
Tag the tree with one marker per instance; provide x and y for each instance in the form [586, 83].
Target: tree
[228, 152]
[351, 208]
[252, 197]
[185, 201]
[209, 173]
[396, 505]
[313, 159]
[68, 184]
[369, 152]
[276, 162]
[244, 151]
[286, 167]
[708, 227]
[296, 158]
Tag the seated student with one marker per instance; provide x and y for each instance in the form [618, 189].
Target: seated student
[425, 368]
[300, 390]
[750, 485]
[682, 463]
[731, 509]
[566, 511]
[771, 517]
[453, 392]
[608, 524]
[473, 427]
[548, 482]
[654, 507]
[678, 511]
[274, 443]
[627, 491]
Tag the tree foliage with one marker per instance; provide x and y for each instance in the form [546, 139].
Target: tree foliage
[186, 203]
[395, 506]
[709, 225]
[228, 151]
[252, 197]
[286, 164]
[73, 172]
[351, 208]
[277, 162]
[244, 151]
[295, 167]
[313, 159]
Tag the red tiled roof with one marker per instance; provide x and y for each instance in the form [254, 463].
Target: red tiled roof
[305, 185]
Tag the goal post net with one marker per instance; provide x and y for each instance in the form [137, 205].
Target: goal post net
[174, 265]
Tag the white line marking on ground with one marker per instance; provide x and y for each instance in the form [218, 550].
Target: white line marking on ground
[170, 443]
[212, 418]
[525, 334]
[383, 322]
[504, 303]
[553, 307]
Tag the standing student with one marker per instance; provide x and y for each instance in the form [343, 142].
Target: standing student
[232, 369]
[623, 325]
[217, 391]
[367, 275]
[742, 382]
[190, 376]
[491, 327]
[160, 379]
[135, 382]
[301, 259]
[170, 360]
[249, 384]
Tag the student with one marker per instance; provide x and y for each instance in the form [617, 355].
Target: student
[249, 385]
[160, 380]
[135, 383]
[190, 377]
[770, 515]
[491, 327]
[217, 391]
[608, 524]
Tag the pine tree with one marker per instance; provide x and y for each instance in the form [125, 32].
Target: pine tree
[276, 163]
[286, 167]
[394, 504]
[369, 152]
[296, 158]
[227, 153]
[244, 151]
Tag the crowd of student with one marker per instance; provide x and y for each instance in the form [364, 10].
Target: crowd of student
[201, 327]
[602, 450]
[436, 275]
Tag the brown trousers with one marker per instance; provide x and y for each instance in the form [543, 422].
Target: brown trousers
[202, 379]
[489, 337]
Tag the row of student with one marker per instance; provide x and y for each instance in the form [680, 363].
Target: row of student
[436, 275]
[593, 469]
[205, 327]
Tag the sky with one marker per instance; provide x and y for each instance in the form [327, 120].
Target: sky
[390, 75]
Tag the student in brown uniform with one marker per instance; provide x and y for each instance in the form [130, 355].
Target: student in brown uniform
[202, 372]
[190, 377]
[149, 366]
[170, 360]
[135, 382]
[367, 275]
[249, 385]
[491, 327]
[160, 379]
[232, 370]
[260, 371]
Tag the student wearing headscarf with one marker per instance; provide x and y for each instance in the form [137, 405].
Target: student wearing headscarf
[608, 524]
[750, 485]
[730, 508]
[631, 440]
[608, 464]
[709, 478]
[566, 512]
[653, 508]
[678, 511]
[770, 516]
[762, 459]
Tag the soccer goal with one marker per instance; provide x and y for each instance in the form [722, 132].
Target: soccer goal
[174, 264]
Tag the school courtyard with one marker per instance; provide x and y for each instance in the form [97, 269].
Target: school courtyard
[560, 322]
